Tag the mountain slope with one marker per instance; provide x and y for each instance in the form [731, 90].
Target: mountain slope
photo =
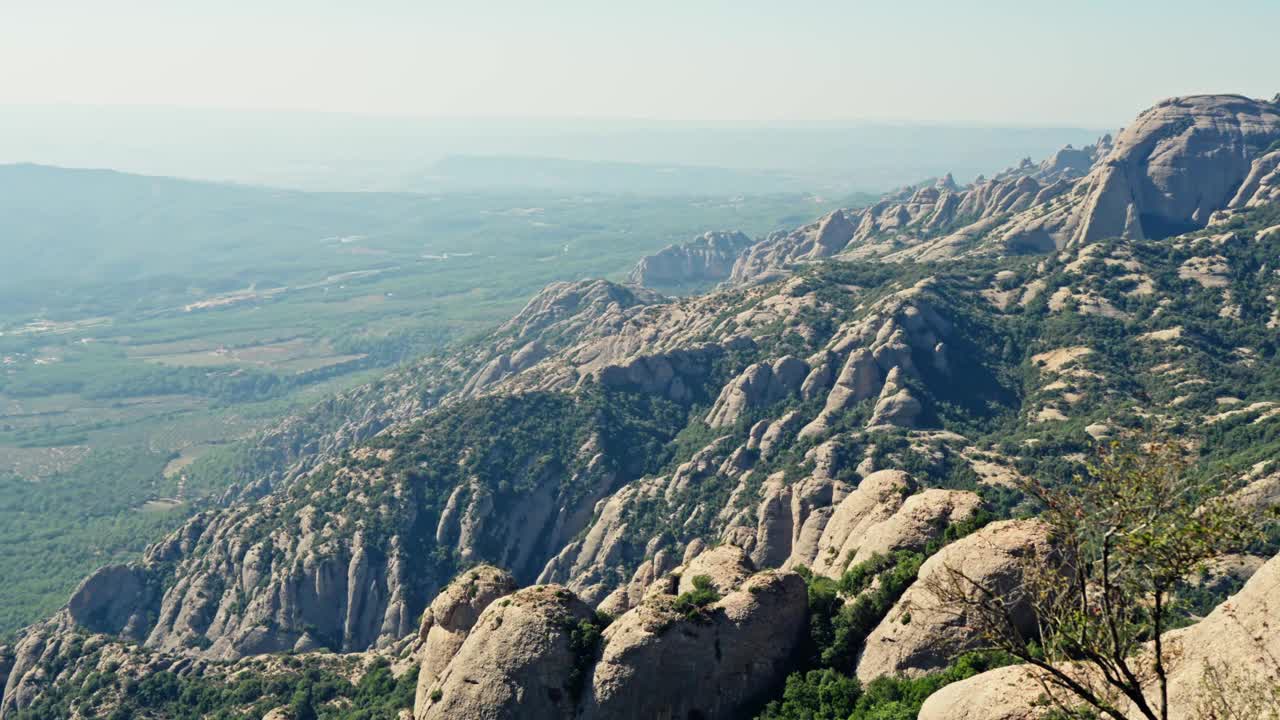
[689, 465]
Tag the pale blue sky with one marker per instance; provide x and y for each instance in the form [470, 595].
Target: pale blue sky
[759, 62]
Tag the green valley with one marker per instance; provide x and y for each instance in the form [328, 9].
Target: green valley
[146, 322]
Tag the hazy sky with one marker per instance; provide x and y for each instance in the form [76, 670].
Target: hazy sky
[1080, 62]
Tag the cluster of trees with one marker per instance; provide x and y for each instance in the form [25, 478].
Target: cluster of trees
[56, 531]
[842, 613]
[107, 377]
[825, 694]
[309, 694]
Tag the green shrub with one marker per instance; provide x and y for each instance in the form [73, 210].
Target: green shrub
[693, 603]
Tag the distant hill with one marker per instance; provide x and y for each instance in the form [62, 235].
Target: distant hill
[322, 151]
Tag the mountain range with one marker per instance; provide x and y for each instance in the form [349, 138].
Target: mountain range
[616, 504]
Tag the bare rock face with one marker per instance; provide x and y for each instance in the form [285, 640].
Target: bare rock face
[115, 600]
[1239, 638]
[1178, 163]
[822, 239]
[705, 260]
[1169, 171]
[882, 516]
[1175, 167]
[563, 305]
[896, 406]
[449, 619]
[876, 498]
[921, 518]
[23, 676]
[774, 524]
[336, 592]
[517, 662]
[759, 385]
[919, 635]
[1007, 693]
[650, 576]
[727, 567]
[1262, 185]
[658, 664]
[859, 379]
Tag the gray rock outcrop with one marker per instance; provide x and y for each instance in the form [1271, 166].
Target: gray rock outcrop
[703, 261]
[759, 385]
[115, 600]
[896, 406]
[449, 619]
[920, 634]
[881, 516]
[656, 663]
[516, 663]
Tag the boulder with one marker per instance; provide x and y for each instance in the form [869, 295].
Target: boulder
[657, 663]
[115, 600]
[449, 619]
[920, 635]
[726, 566]
[517, 662]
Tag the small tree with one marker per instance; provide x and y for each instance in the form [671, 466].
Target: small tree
[1127, 533]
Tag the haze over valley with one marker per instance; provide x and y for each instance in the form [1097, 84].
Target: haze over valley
[703, 361]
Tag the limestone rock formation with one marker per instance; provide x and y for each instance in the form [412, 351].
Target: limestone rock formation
[896, 406]
[882, 515]
[1178, 163]
[815, 387]
[517, 662]
[759, 385]
[1262, 184]
[657, 663]
[859, 379]
[727, 567]
[115, 600]
[919, 634]
[818, 240]
[705, 260]
[449, 619]
[1169, 171]
[652, 575]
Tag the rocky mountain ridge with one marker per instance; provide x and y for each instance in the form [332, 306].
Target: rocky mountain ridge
[861, 388]
[703, 261]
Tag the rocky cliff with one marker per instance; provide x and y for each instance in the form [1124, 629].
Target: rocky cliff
[527, 655]
[1167, 173]
[699, 263]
